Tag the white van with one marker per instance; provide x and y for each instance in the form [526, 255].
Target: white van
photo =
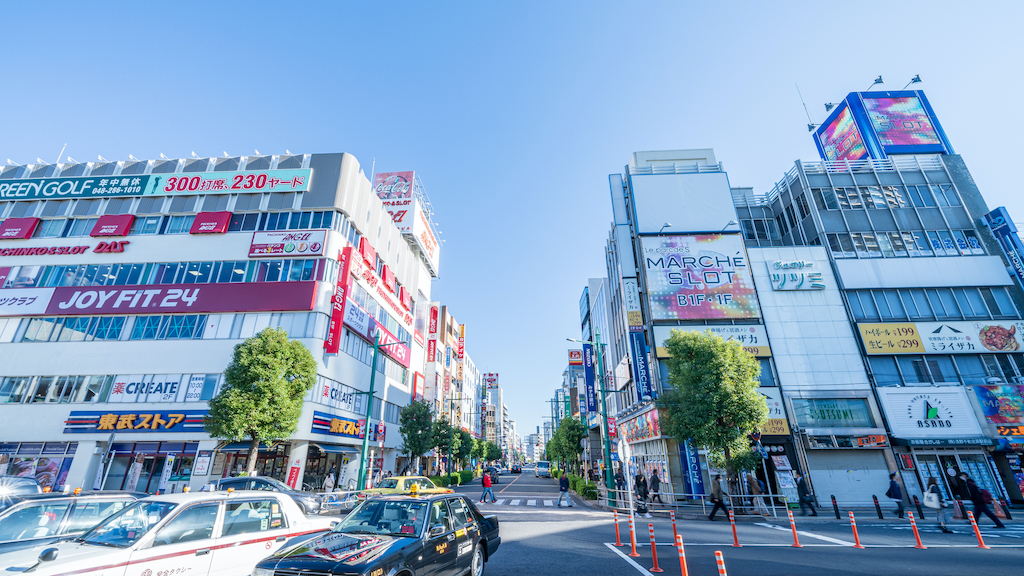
[543, 469]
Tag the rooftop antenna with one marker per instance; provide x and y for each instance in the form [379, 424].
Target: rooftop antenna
[12, 163]
[65, 147]
[287, 151]
[810, 123]
[72, 160]
[914, 80]
[258, 152]
[226, 155]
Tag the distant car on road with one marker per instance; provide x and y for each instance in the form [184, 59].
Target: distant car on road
[40, 519]
[517, 469]
[309, 503]
[543, 469]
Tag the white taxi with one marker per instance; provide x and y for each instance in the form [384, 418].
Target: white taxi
[215, 533]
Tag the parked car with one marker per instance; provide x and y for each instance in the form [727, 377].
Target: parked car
[12, 488]
[441, 534]
[40, 519]
[180, 532]
[310, 503]
[403, 485]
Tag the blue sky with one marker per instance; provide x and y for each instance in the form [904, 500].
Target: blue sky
[512, 114]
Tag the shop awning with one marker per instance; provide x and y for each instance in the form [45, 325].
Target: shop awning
[335, 449]
[241, 447]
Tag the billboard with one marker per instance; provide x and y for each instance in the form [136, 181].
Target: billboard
[752, 337]
[425, 239]
[299, 243]
[575, 357]
[403, 211]
[991, 336]
[840, 138]
[699, 277]
[641, 369]
[393, 185]
[900, 121]
[1002, 227]
[690, 202]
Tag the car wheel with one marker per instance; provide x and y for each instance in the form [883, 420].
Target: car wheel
[477, 566]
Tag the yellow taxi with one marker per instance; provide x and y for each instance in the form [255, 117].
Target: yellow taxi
[403, 485]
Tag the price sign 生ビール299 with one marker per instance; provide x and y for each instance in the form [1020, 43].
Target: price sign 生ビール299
[943, 337]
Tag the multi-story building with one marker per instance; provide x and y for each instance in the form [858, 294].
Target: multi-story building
[130, 283]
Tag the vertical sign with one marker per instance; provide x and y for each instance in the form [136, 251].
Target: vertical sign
[588, 375]
[135, 473]
[432, 335]
[293, 473]
[631, 300]
[694, 476]
[641, 370]
[166, 474]
[1005, 232]
[462, 342]
[332, 344]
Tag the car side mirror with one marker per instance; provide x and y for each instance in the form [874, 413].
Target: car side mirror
[436, 530]
[48, 555]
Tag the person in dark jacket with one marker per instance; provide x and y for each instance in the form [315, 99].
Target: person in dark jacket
[620, 480]
[655, 487]
[895, 494]
[804, 495]
[717, 498]
[640, 485]
[563, 489]
[978, 498]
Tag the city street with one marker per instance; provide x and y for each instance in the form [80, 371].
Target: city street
[539, 538]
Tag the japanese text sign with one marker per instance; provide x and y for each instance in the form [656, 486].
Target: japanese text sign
[90, 421]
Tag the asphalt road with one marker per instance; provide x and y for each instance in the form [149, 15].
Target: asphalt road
[542, 539]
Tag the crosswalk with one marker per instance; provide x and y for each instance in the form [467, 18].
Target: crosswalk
[521, 502]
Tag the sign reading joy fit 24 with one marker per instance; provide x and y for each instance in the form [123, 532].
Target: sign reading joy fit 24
[698, 277]
[152, 184]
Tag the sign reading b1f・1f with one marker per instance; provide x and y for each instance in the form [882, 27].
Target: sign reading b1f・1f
[1005, 232]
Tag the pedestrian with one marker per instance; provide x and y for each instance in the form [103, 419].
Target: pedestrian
[620, 480]
[804, 495]
[655, 488]
[981, 499]
[563, 489]
[754, 488]
[933, 499]
[329, 481]
[487, 489]
[642, 491]
[895, 494]
[717, 497]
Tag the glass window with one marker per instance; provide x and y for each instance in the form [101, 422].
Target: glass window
[773, 231]
[801, 203]
[914, 370]
[825, 198]
[179, 224]
[780, 221]
[873, 197]
[39, 329]
[81, 226]
[193, 523]
[253, 516]
[949, 193]
[791, 214]
[1006, 307]
[49, 228]
[460, 512]
[896, 242]
[895, 196]
[947, 243]
[920, 309]
[973, 243]
[748, 229]
[89, 513]
[916, 243]
[76, 329]
[129, 525]
[939, 196]
[439, 515]
[941, 369]
[858, 244]
[961, 242]
[936, 243]
[108, 327]
[970, 302]
[885, 245]
[146, 225]
[971, 369]
[34, 521]
[871, 244]
[884, 370]
[146, 328]
[922, 197]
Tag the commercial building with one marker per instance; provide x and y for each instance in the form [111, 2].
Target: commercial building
[131, 282]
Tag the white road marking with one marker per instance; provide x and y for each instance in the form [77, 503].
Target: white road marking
[638, 567]
[514, 503]
[808, 534]
[549, 502]
[531, 502]
[499, 502]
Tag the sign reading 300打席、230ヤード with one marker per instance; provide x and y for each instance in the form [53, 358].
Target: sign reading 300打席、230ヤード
[156, 184]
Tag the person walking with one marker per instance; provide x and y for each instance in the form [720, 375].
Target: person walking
[933, 499]
[717, 498]
[754, 488]
[620, 481]
[563, 489]
[487, 488]
[655, 488]
[804, 495]
[981, 498]
[642, 491]
[895, 494]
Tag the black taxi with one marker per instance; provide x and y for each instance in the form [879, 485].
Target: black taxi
[435, 535]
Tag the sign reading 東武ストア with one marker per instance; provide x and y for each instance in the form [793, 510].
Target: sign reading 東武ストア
[89, 421]
[698, 277]
[795, 275]
[156, 184]
[993, 336]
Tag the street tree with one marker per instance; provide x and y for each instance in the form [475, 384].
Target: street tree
[479, 449]
[263, 392]
[465, 446]
[714, 400]
[445, 438]
[493, 452]
[570, 432]
[417, 432]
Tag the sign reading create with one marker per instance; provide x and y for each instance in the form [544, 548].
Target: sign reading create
[86, 421]
[942, 337]
[299, 243]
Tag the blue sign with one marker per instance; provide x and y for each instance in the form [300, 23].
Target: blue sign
[998, 221]
[101, 421]
[694, 476]
[588, 376]
[641, 370]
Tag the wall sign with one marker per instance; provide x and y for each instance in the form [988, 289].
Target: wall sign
[795, 275]
[113, 225]
[641, 369]
[631, 300]
[92, 421]
[776, 425]
[931, 413]
[210, 223]
[942, 337]
[1005, 231]
[575, 357]
[18, 228]
[646, 426]
[325, 423]
[299, 243]
[832, 413]
[1001, 404]
[752, 337]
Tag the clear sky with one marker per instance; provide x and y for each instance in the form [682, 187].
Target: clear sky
[513, 114]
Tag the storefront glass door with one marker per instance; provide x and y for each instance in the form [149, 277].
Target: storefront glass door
[947, 467]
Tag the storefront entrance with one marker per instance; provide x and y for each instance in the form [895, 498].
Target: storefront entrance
[152, 455]
[946, 466]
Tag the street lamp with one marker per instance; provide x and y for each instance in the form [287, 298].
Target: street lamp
[608, 476]
[369, 409]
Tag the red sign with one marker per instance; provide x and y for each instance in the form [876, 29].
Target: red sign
[332, 344]
[293, 473]
[102, 247]
[389, 279]
[18, 228]
[210, 223]
[575, 357]
[431, 350]
[432, 324]
[368, 253]
[406, 298]
[113, 225]
[180, 298]
[418, 384]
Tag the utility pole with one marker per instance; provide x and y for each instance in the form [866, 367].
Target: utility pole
[369, 410]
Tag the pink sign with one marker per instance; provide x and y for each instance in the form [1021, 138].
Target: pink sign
[398, 351]
[113, 225]
[388, 185]
[18, 228]
[179, 298]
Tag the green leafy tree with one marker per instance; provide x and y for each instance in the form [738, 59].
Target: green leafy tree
[568, 435]
[417, 432]
[493, 452]
[465, 446]
[264, 388]
[445, 436]
[479, 449]
[714, 400]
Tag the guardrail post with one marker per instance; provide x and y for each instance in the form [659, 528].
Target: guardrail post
[877, 507]
[917, 504]
[835, 506]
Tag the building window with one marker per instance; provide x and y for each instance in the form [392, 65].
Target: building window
[180, 224]
[81, 227]
[146, 225]
[805, 209]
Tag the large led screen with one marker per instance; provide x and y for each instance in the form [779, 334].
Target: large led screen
[841, 140]
[901, 121]
[699, 277]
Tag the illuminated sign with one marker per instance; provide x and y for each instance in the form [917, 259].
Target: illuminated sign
[797, 275]
[900, 121]
[840, 139]
[575, 357]
[90, 421]
[698, 277]
[776, 425]
[388, 185]
[324, 423]
[939, 413]
[1005, 232]
[641, 369]
[332, 343]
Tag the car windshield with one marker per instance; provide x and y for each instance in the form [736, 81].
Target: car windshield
[395, 518]
[388, 483]
[281, 486]
[129, 525]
